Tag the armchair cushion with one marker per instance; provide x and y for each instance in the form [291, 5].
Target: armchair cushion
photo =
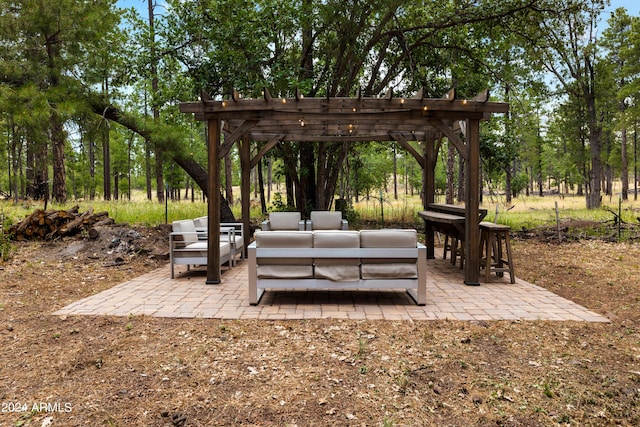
[187, 230]
[201, 222]
[326, 220]
[284, 221]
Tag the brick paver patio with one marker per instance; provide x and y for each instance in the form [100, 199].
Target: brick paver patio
[187, 296]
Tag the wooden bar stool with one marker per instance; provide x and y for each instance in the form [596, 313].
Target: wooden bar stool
[492, 236]
[457, 251]
[455, 248]
[448, 241]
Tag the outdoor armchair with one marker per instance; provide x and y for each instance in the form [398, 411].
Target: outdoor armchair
[327, 220]
[186, 247]
[236, 234]
[283, 221]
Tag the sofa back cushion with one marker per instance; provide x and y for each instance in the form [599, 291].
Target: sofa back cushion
[389, 268]
[347, 269]
[285, 267]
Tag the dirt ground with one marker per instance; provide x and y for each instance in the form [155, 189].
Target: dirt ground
[142, 371]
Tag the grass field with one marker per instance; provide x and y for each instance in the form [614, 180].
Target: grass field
[523, 212]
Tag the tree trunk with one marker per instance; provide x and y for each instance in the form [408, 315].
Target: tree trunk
[635, 162]
[395, 172]
[269, 178]
[624, 172]
[52, 45]
[57, 145]
[37, 171]
[507, 185]
[147, 168]
[228, 178]
[292, 180]
[15, 164]
[159, 175]
[594, 199]
[539, 177]
[461, 174]
[92, 168]
[154, 103]
[106, 160]
[263, 203]
[451, 166]
[307, 195]
[116, 186]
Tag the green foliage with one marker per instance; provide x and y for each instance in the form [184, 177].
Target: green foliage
[371, 166]
[322, 48]
[519, 182]
[5, 247]
[279, 205]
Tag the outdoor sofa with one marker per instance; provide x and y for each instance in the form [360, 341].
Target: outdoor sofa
[338, 259]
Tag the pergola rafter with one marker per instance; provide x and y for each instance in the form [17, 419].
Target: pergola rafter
[385, 119]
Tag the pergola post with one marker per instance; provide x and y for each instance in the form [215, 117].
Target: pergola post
[213, 189]
[472, 229]
[245, 187]
[429, 188]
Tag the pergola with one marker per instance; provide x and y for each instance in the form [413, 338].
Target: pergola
[359, 118]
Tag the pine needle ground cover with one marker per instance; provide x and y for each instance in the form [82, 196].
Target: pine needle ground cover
[142, 371]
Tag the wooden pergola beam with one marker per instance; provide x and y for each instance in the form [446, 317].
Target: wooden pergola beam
[249, 107]
[404, 143]
[265, 149]
[447, 130]
[237, 133]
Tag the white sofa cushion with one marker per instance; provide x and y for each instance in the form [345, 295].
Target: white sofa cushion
[284, 221]
[326, 220]
[337, 269]
[284, 271]
[284, 268]
[188, 230]
[201, 222]
[199, 249]
[389, 268]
